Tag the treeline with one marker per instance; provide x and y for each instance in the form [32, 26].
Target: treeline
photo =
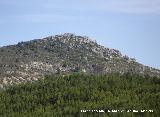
[67, 95]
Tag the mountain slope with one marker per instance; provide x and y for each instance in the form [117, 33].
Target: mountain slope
[66, 53]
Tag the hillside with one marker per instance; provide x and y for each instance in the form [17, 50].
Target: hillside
[60, 54]
[57, 96]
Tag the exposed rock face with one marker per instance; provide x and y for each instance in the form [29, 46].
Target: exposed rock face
[29, 61]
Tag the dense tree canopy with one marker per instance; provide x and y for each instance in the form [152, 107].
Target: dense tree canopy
[67, 95]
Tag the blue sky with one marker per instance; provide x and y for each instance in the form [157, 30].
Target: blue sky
[131, 26]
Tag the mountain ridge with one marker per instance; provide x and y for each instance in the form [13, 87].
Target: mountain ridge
[65, 53]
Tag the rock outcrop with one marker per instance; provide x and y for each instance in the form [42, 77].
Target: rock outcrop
[66, 53]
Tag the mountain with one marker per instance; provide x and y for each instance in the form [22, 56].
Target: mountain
[60, 54]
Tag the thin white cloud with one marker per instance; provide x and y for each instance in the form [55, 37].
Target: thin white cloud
[41, 18]
[117, 6]
[136, 6]
[45, 18]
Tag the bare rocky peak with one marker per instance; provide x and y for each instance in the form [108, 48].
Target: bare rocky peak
[70, 37]
[74, 40]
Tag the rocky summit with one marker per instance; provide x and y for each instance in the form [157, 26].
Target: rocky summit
[61, 54]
